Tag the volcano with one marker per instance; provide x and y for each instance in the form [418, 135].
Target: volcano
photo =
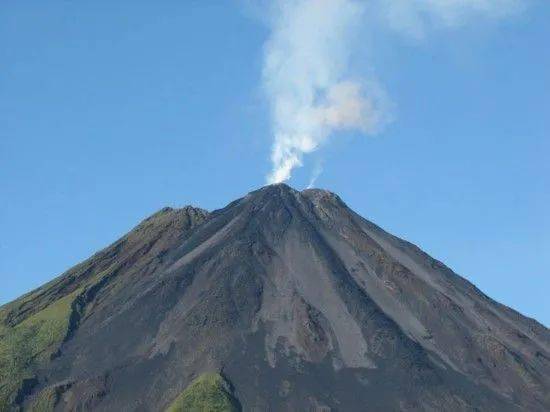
[284, 300]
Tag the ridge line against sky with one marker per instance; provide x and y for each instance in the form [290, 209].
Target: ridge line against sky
[111, 111]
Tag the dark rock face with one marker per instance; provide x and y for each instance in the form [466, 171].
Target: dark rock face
[299, 302]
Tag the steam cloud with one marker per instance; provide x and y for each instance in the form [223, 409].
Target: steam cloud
[306, 71]
[305, 75]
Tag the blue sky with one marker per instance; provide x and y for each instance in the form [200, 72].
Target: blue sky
[111, 111]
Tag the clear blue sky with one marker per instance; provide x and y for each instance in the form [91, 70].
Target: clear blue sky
[109, 112]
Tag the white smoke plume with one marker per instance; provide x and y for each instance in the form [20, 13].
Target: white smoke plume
[306, 79]
[317, 170]
[306, 72]
[417, 17]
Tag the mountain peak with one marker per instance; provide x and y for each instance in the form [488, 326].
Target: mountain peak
[275, 189]
[287, 193]
[286, 300]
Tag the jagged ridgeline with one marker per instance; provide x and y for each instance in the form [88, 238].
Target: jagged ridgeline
[283, 300]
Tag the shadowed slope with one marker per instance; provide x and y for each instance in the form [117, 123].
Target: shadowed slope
[301, 303]
[33, 328]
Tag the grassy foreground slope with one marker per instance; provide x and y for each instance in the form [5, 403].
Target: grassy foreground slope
[27, 345]
[208, 393]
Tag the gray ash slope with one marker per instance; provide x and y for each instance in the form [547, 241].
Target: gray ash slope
[299, 302]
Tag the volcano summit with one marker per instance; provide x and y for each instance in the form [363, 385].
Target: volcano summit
[281, 301]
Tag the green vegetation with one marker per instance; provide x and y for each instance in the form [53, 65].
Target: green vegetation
[208, 393]
[30, 344]
[33, 341]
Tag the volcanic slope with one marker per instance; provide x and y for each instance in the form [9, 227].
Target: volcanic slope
[281, 301]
